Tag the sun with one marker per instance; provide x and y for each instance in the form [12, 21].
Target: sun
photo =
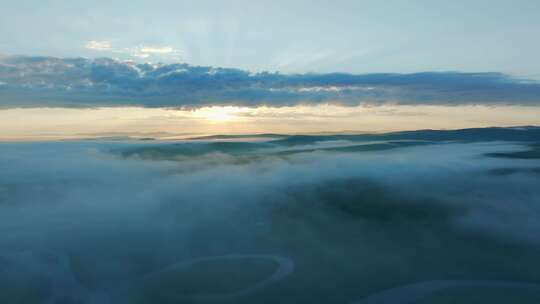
[219, 114]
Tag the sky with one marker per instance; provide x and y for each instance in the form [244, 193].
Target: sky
[286, 36]
[187, 55]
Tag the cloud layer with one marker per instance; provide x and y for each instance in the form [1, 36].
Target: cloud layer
[80, 82]
[353, 221]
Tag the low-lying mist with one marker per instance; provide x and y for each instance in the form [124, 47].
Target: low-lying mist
[326, 220]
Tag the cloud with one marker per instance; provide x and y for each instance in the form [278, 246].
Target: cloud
[157, 50]
[149, 51]
[80, 82]
[143, 51]
[98, 45]
[405, 214]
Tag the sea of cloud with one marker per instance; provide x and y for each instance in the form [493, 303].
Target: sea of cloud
[93, 222]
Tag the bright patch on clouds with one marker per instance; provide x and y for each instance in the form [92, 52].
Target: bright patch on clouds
[319, 89]
[148, 51]
[143, 51]
[157, 50]
[98, 45]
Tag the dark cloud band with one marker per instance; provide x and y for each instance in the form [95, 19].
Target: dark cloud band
[80, 82]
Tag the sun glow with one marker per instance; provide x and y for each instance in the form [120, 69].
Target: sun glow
[169, 123]
[217, 114]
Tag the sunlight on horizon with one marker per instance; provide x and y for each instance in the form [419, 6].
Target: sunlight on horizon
[58, 123]
[217, 114]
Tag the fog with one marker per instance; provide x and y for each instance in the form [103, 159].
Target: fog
[325, 221]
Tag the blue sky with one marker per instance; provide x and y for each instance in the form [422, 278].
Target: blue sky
[287, 36]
